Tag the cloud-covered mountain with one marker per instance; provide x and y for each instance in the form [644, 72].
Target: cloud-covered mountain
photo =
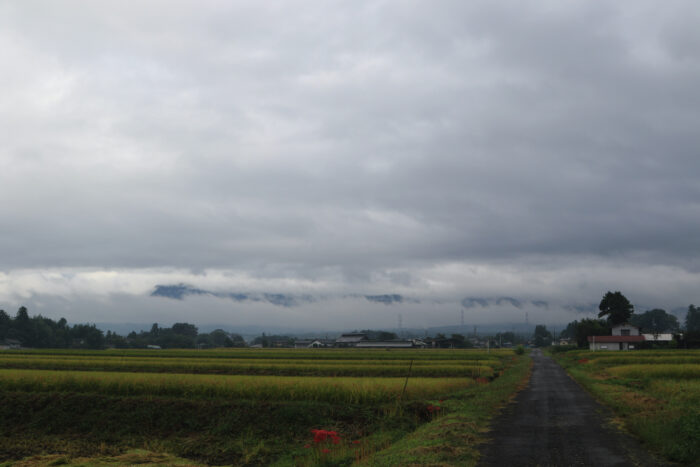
[181, 291]
[485, 302]
[178, 292]
[385, 299]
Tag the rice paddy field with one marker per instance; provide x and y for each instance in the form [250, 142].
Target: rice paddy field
[240, 406]
[654, 393]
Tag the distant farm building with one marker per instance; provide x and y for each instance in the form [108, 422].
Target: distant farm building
[350, 339]
[10, 344]
[393, 344]
[310, 344]
[624, 337]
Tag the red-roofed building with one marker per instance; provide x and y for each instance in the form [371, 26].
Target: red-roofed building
[625, 337]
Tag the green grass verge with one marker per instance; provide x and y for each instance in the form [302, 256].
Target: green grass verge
[453, 439]
[658, 403]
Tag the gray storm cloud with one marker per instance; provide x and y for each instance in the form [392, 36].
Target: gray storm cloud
[534, 155]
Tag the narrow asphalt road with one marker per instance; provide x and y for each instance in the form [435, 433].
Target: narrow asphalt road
[554, 422]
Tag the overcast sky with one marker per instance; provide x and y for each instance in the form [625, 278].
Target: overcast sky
[544, 151]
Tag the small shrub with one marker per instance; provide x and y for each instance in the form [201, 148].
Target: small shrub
[562, 348]
[520, 350]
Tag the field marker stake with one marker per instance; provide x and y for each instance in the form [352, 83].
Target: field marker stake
[406, 382]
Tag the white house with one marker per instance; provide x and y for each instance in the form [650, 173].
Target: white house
[308, 344]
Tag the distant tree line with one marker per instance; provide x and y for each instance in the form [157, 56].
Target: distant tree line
[273, 341]
[40, 332]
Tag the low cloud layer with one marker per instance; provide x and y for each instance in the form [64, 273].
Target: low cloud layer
[481, 156]
[435, 296]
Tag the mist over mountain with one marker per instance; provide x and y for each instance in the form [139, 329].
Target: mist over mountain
[385, 299]
[180, 291]
[484, 302]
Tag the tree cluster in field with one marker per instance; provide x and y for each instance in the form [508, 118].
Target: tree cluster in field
[40, 332]
[273, 341]
[459, 341]
[455, 341]
[542, 337]
[179, 336]
[379, 335]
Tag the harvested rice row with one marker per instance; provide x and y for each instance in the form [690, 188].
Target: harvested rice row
[14, 357]
[251, 368]
[642, 371]
[287, 354]
[336, 390]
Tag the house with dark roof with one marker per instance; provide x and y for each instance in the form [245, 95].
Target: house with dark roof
[624, 337]
[393, 344]
[350, 339]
